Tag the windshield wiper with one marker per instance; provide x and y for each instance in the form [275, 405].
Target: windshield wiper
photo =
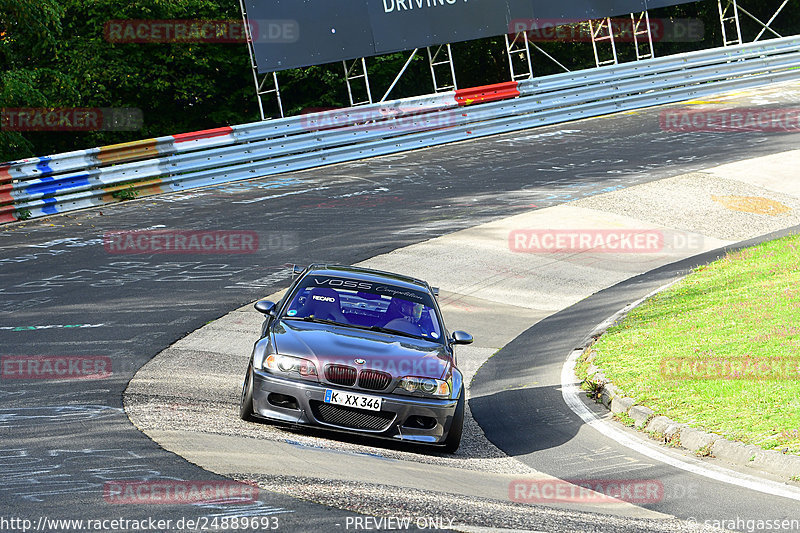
[396, 332]
[356, 326]
[315, 320]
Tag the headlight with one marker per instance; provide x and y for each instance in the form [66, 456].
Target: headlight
[427, 386]
[291, 365]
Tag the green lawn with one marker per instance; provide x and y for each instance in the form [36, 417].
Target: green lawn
[740, 311]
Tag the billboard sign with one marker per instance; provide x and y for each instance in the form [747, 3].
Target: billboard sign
[334, 31]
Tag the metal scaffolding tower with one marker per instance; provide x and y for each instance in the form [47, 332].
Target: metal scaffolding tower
[266, 84]
[446, 60]
[352, 74]
[519, 54]
[729, 19]
[642, 36]
[602, 31]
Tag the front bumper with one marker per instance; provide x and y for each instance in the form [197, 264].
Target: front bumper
[401, 418]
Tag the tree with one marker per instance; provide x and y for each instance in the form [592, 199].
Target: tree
[29, 30]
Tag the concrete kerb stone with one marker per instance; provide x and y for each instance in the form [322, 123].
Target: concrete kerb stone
[697, 441]
[608, 393]
[641, 415]
[621, 405]
[658, 425]
[735, 452]
[673, 432]
[778, 463]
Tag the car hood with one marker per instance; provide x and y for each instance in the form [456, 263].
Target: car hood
[325, 344]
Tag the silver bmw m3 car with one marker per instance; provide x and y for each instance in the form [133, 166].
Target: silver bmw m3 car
[361, 351]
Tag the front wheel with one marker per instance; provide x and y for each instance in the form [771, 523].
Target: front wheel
[246, 403]
[453, 439]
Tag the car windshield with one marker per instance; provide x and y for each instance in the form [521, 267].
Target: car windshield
[367, 305]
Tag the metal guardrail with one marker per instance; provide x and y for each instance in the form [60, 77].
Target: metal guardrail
[47, 185]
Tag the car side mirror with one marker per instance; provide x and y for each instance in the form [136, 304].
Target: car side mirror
[462, 337]
[266, 307]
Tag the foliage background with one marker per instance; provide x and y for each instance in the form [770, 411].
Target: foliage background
[53, 54]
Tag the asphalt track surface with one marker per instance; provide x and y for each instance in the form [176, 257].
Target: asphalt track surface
[63, 294]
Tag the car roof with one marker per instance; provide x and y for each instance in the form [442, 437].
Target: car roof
[368, 274]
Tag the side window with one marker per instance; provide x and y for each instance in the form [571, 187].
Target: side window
[299, 301]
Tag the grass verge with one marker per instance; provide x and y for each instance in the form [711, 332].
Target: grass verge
[720, 350]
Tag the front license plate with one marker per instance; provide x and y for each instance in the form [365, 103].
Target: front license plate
[349, 399]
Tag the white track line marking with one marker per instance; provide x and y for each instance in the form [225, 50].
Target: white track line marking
[293, 193]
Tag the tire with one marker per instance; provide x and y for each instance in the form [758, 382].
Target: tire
[246, 403]
[453, 439]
